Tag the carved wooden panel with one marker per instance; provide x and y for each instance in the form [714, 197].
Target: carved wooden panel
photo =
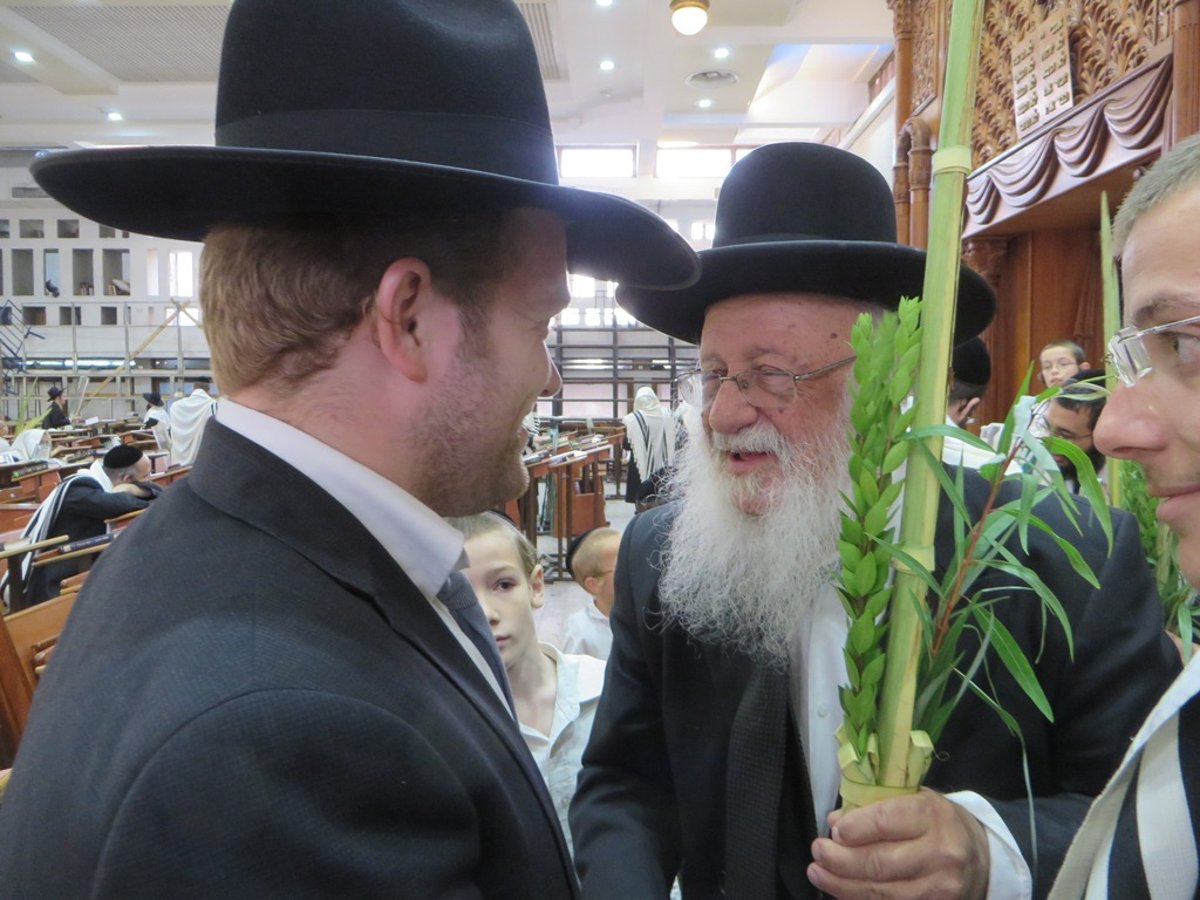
[926, 42]
[1112, 39]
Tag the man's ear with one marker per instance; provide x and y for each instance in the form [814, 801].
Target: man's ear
[405, 305]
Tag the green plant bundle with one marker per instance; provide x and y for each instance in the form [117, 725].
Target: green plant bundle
[1159, 543]
[888, 351]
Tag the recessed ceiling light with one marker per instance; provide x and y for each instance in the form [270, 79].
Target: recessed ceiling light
[704, 104]
[22, 56]
[115, 116]
[721, 53]
[604, 2]
[607, 65]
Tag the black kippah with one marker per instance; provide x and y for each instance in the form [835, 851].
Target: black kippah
[122, 456]
[573, 547]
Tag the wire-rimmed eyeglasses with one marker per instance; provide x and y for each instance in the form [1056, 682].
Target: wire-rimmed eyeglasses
[1136, 353]
[761, 386]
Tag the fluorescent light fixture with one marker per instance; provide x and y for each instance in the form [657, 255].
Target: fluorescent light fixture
[604, 2]
[115, 116]
[689, 16]
[704, 104]
[23, 56]
[607, 65]
[721, 53]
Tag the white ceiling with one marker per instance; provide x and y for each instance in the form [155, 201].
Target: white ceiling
[802, 68]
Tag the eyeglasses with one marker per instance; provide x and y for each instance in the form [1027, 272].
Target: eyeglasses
[763, 386]
[1043, 423]
[1135, 354]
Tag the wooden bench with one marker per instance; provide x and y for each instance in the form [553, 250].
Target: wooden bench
[26, 641]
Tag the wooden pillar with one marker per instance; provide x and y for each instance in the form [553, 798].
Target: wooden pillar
[987, 256]
[1185, 73]
[900, 189]
[917, 136]
[902, 28]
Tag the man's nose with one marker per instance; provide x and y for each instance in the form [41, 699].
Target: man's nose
[729, 412]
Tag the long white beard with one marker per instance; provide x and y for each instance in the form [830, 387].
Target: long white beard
[745, 581]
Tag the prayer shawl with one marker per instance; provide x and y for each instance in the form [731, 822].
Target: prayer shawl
[650, 430]
[188, 418]
[28, 445]
[160, 426]
[39, 526]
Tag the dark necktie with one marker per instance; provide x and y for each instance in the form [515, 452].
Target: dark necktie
[464, 607]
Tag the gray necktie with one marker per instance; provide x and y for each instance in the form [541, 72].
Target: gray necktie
[464, 607]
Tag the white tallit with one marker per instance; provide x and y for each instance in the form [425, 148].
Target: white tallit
[650, 430]
[189, 415]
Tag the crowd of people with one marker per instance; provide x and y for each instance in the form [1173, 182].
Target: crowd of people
[336, 686]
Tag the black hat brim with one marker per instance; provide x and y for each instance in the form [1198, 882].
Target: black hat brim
[862, 270]
[183, 192]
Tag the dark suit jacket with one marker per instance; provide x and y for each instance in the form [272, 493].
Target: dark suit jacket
[55, 417]
[272, 710]
[652, 791]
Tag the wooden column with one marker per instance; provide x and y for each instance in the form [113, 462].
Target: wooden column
[916, 136]
[902, 27]
[1185, 74]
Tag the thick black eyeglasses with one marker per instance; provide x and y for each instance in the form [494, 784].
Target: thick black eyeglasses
[762, 386]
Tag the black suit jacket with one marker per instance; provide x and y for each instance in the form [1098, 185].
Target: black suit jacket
[652, 793]
[273, 709]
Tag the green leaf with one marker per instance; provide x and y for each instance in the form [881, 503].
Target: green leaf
[1014, 660]
[862, 635]
[873, 671]
[864, 575]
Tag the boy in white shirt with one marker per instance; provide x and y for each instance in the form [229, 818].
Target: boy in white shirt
[592, 559]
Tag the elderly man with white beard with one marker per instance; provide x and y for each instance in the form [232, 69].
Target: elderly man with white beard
[713, 756]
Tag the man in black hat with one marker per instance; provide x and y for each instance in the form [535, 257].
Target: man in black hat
[157, 420]
[306, 702]
[79, 507]
[713, 752]
[56, 416]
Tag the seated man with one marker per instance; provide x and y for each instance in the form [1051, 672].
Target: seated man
[713, 752]
[114, 485]
[1072, 415]
[592, 560]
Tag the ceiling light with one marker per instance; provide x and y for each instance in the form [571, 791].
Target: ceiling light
[115, 116]
[689, 16]
[607, 65]
[704, 104]
[721, 53]
[604, 2]
[23, 56]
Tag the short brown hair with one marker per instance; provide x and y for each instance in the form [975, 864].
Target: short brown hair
[280, 300]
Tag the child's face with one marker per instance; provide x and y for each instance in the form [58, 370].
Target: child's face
[506, 592]
[1058, 364]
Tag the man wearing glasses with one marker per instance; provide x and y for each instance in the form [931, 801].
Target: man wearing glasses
[1139, 839]
[713, 751]
[1072, 415]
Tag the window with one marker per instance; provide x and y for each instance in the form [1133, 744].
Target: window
[108, 315]
[694, 162]
[34, 315]
[596, 162]
[31, 228]
[68, 228]
[703, 231]
[70, 315]
[181, 281]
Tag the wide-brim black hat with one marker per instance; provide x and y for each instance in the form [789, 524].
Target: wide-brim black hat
[796, 217]
[369, 110]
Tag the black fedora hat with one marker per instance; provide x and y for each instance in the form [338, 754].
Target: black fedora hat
[361, 109]
[971, 362]
[797, 217]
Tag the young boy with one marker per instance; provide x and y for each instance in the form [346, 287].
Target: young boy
[592, 560]
[1061, 360]
[555, 694]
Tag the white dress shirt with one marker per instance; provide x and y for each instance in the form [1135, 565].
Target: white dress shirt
[421, 542]
[558, 754]
[588, 631]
